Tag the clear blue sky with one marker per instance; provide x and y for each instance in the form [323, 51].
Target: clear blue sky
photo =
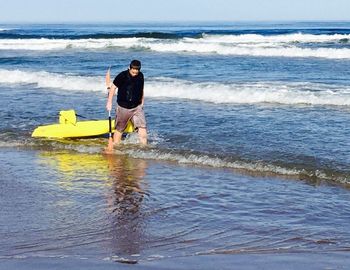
[173, 10]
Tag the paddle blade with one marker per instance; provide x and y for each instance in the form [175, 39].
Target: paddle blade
[108, 77]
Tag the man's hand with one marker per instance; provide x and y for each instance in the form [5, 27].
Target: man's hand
[109, 106]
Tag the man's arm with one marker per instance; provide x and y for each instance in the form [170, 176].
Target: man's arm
[143, 93]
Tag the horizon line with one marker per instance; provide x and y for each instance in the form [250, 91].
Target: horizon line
[178, 21]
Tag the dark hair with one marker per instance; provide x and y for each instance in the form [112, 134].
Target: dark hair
[136, 64]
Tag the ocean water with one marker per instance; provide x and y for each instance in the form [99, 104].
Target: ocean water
[249, 154]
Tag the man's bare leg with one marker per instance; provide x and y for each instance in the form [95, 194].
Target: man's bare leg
[117, 137]
[143, 136]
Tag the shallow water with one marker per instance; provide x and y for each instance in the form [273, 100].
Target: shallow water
[78, 205]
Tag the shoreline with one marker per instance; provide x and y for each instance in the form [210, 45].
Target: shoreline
[291, 261]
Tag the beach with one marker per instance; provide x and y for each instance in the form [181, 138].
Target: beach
[247, 165]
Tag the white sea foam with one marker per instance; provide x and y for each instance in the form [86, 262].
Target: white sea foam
[45, 79]
[44, 44]
[170, 88]
[249, 44]
[290, 38]
[265, 48]
[13, 144]
[248, 93]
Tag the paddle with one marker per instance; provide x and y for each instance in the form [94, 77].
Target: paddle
[110, 138]
[108, 77]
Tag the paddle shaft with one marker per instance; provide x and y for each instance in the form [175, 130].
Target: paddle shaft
[110, 124]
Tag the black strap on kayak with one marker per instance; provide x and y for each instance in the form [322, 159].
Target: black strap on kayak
[84, 117]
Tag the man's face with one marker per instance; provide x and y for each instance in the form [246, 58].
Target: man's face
[134, 71]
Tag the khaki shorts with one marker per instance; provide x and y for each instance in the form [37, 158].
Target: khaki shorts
[136, 115]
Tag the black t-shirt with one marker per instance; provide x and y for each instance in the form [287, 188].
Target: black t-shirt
[130, 89]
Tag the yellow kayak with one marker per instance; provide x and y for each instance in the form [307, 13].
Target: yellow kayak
[69, 127]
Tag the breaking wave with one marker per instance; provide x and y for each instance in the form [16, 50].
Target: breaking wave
[169, 88]
[290, 45]
[251, 93]
[43, 79]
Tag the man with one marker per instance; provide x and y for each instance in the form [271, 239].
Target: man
[130, 100]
